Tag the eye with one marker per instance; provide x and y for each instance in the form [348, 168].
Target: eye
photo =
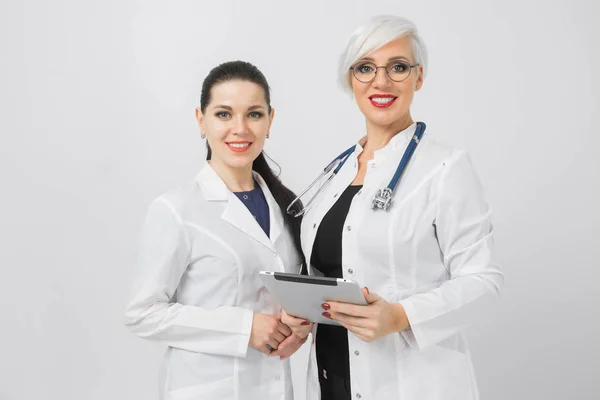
[399, 67]
[222, 114]
[255, 114]
[364, 68]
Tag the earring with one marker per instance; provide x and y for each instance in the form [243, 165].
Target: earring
[268, 135]
[202, 135]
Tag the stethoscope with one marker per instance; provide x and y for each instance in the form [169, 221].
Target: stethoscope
[383, 197]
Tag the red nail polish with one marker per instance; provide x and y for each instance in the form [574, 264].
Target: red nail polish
[326, 314]
[305, 323]
[325, 306]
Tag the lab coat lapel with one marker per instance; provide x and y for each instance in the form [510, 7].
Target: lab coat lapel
[235, 213]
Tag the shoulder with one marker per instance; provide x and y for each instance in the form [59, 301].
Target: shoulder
[440, 151]
[178, 200]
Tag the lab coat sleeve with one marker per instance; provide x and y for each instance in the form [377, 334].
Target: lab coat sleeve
[465, 236]
[153, 314]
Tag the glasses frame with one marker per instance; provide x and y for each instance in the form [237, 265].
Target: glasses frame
[386, 70]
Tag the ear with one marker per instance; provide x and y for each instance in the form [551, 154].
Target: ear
[419, 82]
[200, 119]
[271, 116]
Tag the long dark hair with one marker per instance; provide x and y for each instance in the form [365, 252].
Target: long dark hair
[244, 71]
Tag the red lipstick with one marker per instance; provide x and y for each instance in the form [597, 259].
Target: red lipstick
[245, 145]
[382, 100]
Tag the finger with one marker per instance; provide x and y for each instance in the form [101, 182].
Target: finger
[283, 350]
[292, 321]
[273, 344]
[371, 297]
[280, 349]
[301, 333]
[289, 346]
[284, 345]
[347, 308]
[351, 320]
[366, 335]
[284, 329]
[266, 349]
[279, 337]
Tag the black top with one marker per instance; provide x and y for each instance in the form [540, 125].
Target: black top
[257, 204]
[332, 341]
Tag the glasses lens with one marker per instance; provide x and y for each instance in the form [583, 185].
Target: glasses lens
[398, 71]
[364, 72]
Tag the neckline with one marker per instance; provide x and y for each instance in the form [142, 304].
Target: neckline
[248, 191]
[256, 187]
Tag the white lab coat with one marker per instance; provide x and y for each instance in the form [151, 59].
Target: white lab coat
[432, 252]
[198, 286]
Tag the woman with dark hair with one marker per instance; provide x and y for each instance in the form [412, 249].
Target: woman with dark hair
[203, 244]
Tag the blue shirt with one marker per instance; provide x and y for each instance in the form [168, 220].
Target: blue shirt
[256, 203]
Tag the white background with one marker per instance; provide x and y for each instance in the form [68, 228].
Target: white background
[97, 118]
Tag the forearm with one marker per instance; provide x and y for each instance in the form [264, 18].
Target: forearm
[225, 330]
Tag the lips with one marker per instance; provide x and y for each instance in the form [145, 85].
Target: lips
[239, 146]
[382, 100]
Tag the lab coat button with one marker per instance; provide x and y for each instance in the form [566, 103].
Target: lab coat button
[357, 352]
[314, 226]
[277, 378]
[350, 271]
[349, 228]
[358, 396]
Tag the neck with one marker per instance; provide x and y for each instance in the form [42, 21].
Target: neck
[236, 179]
[378, 136]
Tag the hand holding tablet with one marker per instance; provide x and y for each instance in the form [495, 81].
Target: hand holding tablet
[302, 296]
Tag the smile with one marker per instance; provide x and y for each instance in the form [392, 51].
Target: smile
[238, 147]
[382, 100]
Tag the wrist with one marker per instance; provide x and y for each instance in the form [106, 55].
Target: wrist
[401, 322]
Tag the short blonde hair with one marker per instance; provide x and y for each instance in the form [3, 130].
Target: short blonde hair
[374, 34]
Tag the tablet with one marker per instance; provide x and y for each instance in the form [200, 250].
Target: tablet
[302, 295]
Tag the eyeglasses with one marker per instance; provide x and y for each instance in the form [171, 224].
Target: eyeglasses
[396, 71]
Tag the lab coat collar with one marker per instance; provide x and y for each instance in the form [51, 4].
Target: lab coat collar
[398, 140]
[214, 189]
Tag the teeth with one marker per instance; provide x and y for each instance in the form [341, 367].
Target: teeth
[382, 100]
[239, 145]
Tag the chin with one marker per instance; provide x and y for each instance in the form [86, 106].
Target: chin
[240, 161]
[382, 120]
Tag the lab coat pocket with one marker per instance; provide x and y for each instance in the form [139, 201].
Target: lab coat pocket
[437, 372]
[221, 389]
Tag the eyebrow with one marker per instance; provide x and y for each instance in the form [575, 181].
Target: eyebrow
[395, 58]
[254, 107]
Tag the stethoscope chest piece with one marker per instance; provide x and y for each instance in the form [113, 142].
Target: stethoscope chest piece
[382, 199]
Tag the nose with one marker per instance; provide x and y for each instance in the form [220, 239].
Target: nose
[240, 127]
[382, 79]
